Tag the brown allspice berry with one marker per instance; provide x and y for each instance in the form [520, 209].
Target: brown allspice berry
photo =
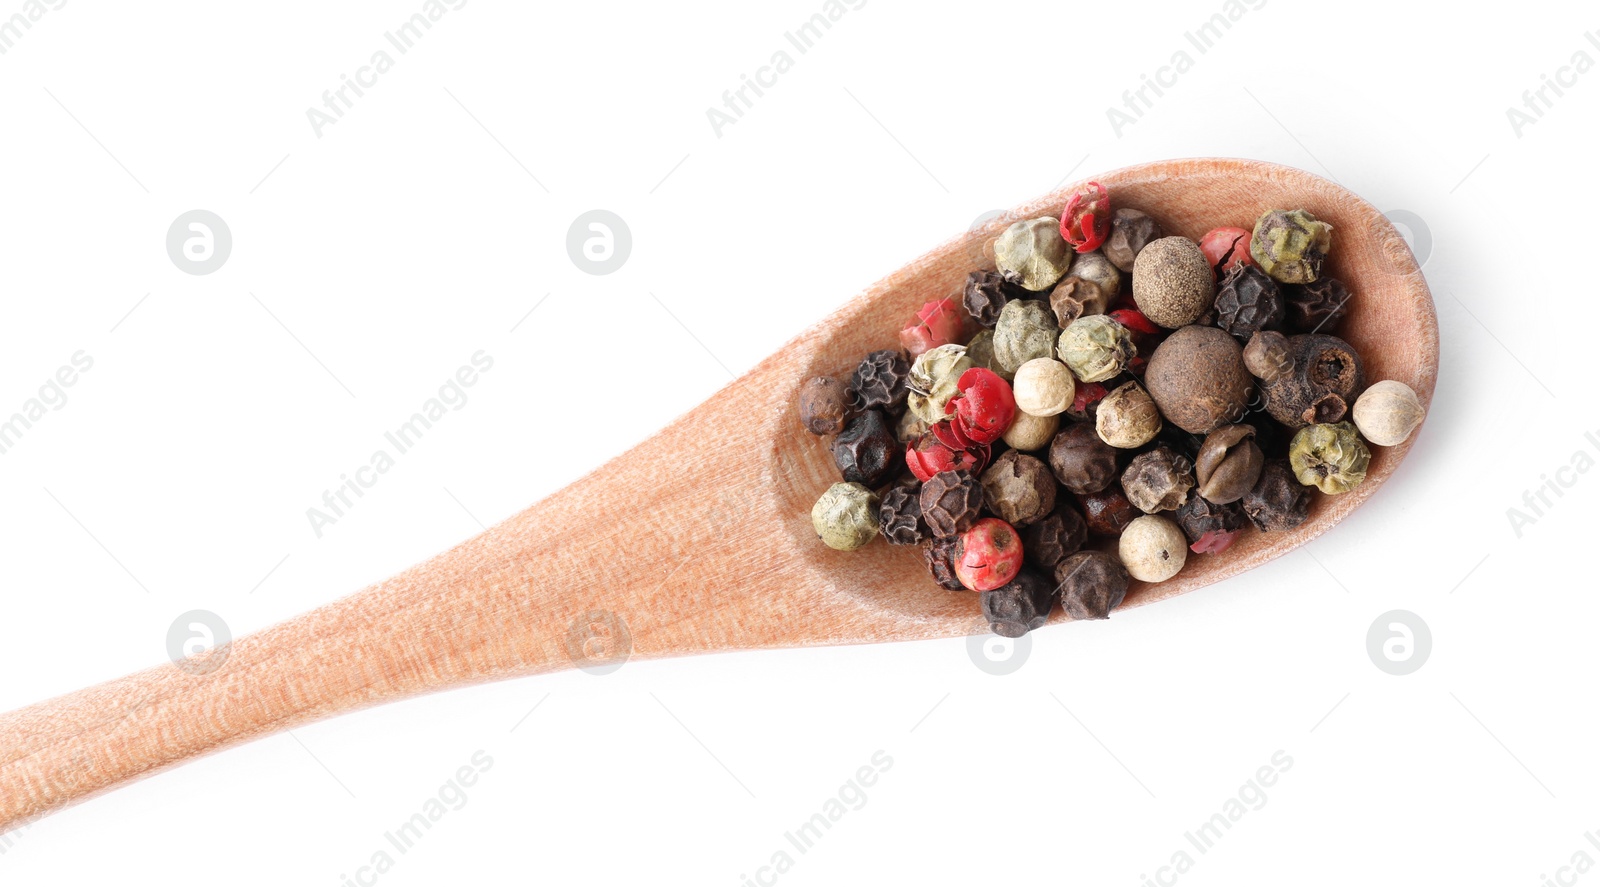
[900, 515]
[986, 293]
[1128, 416]
[867, 451]
[1315, 307]
[879, 382]
[1198, 379]
[1266, 355]
[1019, 489]
[1019, 606]
[1229, 464]
[951, 502]
[1248, 301]
[1081, 461]
[1172, 282]
[1092, 584]
[1131, 231]
[824, 405]
[1278, 501]
[1324, 378]
[940, 556]
[1063, 532]
[1108, 512]
[1158, 480]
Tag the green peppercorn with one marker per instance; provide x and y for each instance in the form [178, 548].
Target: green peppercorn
[846, 517]
[1096, 348]
[1330, 457]
[1026, 330]
[1032, 255]
[933, 380]
[1290, 245]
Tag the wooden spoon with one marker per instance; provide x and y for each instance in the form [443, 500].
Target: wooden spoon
[698, 540]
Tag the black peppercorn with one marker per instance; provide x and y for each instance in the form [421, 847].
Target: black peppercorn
[1108, 512]
[867, 452]
[824, 405]
[1159, 480]
[1200, 516]
[1092, 584]
[1131, 231]
[1081, 460]
[951, 502]
[1324, 378]
[1049, 542]
[1316, 307]
[900, 515]
[1019, 606]
[1248, 301]
[1278, 501]
[880, 381]
[940, 556]
[987, 292]
[1019, 489]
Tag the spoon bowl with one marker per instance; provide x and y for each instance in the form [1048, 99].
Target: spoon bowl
[699, 539]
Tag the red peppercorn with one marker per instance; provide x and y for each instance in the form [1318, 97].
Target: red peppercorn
[938, 323]
[984, 408]
[988, 555]
[1226, 249]
[1135, 321]
[1214, 541]
[1087, 219]
[940, 449]
[1085, 395]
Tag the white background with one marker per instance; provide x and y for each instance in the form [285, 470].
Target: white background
[369, 263]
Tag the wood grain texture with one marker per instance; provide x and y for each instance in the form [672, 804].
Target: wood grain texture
[723, 558]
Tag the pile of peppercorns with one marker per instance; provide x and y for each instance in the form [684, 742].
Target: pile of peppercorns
[1092, 432]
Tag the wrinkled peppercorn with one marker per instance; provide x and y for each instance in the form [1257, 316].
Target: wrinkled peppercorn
[1019, 606]
[987, 292]
[1159, 480]
[1032, 255]
[951, 501]
[1316, 307]
[1278, 501]
[1019, 489]
[846, 516]
[1026, 330]
[940, 556]
[900, 515]
[1248, 301]
[1210, 527]
[1108, 512]
[1127, 417]
[1290, 245]
[1131, 231]
[1324, 378]
[1330, 457]
[1092, 584]
[824, 405]
[1081, 460]
[1049, 542]
[867, 451]
[880, 381]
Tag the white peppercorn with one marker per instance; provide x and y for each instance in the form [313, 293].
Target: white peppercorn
[1043, 387]
[1153, 548]
[1029, 432]
[1387, 413]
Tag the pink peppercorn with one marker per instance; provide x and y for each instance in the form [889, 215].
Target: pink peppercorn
[1087, 219]
[938, 323]
[984, 408]
[988, 555]
[1226, 249]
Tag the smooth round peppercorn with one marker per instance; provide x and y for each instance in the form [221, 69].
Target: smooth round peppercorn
[1229, 464]
[988, 555]
[1108, 512]
[1019, 489]
[1096, 348]
[1043, 387]
[1026, 330]
[1019, 606]
[1081, 460]
[933, 380]
[1127, 417]
[1387, 413]
[1152, 549]
[846, 517]
[1172, 282]
[824, 405]
[1329, 457]
[1290, 245]
[1032, 255]
[1092, 584]
[1159, 480]
[1278, 501]
[1198, 379]
[1029, 432]
[867, 451]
